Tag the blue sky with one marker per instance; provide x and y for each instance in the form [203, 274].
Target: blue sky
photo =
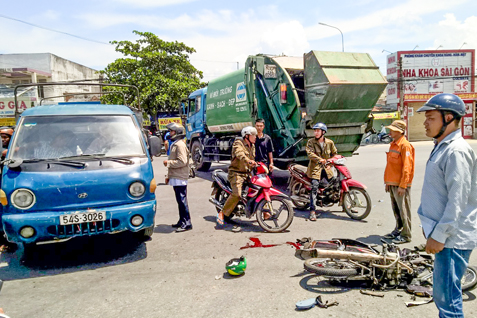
[224, 33]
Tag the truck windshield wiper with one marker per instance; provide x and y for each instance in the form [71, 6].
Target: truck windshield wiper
[120, 160]
[101, 156]
[57, 161]
[93, 155]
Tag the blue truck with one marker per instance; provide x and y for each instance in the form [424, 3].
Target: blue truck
[77, 169]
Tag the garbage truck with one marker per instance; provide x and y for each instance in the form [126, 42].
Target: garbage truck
[290, 94]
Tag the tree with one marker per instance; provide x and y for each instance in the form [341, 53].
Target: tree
[161, 70]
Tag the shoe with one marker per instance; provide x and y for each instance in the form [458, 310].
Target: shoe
[183, 229]
[392, 235]
[236, 229]
[400, 240]
[312, 216]
[178, 224]
[266, 215]
[220, 219]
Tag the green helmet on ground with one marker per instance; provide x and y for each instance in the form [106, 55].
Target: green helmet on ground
[236, 266]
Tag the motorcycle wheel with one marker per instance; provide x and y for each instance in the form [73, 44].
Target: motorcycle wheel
[387, 140]
[327, 267]
[221, 196]
[299, 190]
[374, 139]
[353, 203]
[469, 280]
[279, 222]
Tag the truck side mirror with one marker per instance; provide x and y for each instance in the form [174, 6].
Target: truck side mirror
[155, 145]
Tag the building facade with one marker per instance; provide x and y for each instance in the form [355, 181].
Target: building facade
[41, 68]
[416, 76]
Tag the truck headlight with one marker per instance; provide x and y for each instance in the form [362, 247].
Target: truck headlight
[23, 199]
[137, 189]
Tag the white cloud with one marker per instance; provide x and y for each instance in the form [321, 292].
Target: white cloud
[154, 3]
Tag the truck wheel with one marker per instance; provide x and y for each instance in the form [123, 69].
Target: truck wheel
[198, 157]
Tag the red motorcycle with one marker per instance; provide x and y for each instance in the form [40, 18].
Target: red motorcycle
[272, 208]
[342, 189]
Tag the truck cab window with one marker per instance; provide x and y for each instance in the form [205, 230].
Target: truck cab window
[191, 106]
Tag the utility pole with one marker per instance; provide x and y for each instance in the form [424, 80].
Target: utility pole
[400, 83]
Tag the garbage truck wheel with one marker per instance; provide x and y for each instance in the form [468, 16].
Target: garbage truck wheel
[198, 157]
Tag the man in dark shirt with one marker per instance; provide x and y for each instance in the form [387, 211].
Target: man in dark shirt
[263, 145]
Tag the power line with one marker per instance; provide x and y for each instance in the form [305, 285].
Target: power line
[52, 30]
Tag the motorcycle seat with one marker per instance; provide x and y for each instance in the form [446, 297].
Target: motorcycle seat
[223, 177]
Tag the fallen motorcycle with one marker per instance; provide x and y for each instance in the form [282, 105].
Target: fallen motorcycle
[342, 189]
[271, 207]
[345, 259]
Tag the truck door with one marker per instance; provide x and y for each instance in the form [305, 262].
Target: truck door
[195, 116]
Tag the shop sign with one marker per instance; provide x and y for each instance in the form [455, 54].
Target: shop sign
[7, 106]
[430, 72]
[163, 122]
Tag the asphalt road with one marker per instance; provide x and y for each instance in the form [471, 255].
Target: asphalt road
[182, 274]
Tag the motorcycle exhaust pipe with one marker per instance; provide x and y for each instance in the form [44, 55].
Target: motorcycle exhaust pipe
[351, 255]
[216, 203]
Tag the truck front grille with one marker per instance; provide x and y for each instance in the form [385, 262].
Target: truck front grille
[83, 229]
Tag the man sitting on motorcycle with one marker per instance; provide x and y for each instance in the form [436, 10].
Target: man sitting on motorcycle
[319, 149]
[243, 160]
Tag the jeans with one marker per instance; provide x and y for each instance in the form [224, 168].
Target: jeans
[449, 268]
[181, 198]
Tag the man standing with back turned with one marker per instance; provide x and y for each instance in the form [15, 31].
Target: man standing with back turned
[398, 179]
[448, 210]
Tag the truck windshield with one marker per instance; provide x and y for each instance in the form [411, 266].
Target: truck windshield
[55, 137]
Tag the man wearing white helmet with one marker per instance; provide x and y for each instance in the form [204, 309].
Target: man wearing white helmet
[242, 161]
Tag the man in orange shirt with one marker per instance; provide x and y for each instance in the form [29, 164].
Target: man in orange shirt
[398, 179]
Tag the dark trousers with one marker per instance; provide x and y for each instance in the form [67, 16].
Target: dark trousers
[181, 198]
[402, 210]
[315, 185]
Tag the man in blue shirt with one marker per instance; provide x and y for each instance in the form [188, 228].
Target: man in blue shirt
[448, 209]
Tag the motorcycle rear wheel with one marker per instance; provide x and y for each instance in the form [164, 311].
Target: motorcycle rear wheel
[273, 223]
[221, 196]
[469, 280]
[327, 267]
[299, 190]
[353, 203]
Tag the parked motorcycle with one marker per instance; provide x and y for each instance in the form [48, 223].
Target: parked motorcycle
[342, 189]
[271, 207]
[346, 259]
[382, 138]
[373, 138]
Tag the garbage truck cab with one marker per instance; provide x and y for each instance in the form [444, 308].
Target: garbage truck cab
[77, 170]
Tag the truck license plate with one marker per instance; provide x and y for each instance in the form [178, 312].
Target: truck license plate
[86, 217]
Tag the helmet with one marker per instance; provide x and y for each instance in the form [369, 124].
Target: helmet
[179, 129]
[445, 102]
[236, 266]
[6, 130]
[320, 126]
[249, 130]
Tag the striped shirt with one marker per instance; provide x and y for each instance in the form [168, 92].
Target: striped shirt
[448, 209]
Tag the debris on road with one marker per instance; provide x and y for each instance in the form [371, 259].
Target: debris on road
[371, 293]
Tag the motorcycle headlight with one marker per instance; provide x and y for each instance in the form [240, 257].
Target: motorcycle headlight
[137, 189]
[23, 199]
[340, 161]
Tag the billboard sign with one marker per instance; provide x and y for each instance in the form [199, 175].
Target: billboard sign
[7, 105]
[430, 72]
